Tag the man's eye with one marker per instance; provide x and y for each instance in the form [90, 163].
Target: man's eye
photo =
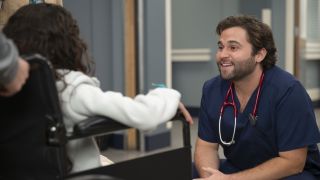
[233, 48]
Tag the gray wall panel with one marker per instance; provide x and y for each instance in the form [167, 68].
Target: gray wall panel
[254, 7]
[82, 11]
[117, 45]
[102, 41]
[154, 43]
[278, 28]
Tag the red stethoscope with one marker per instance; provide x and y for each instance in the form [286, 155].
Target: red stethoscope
[253, 115]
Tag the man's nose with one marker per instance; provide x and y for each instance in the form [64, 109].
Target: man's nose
[223, 53]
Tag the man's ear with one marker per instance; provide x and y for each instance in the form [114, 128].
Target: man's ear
[261, 54]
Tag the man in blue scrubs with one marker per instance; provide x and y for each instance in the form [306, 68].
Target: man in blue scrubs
[259, 114]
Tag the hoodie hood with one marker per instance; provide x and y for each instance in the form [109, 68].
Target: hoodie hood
[75, 78]
[66, 86]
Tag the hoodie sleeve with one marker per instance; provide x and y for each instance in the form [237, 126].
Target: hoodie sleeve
[8, 60]
[142, 112]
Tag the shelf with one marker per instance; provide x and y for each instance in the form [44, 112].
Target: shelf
[314, 93]
[191, 55]
[312, 51]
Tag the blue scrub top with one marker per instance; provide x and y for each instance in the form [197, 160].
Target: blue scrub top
[286, 121]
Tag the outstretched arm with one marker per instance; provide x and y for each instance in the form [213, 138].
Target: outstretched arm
[144, 112]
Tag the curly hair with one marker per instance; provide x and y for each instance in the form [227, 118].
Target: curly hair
[51, 31]
[259, 35]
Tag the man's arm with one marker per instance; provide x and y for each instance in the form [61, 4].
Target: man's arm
[8, 60]
[206, 155]
[18, 80]
[13, 70]
[288, 163]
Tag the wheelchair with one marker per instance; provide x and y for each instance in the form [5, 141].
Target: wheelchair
[33, 138]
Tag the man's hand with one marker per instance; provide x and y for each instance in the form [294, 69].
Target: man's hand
[215, 175]
[18, 81]
[185, 113]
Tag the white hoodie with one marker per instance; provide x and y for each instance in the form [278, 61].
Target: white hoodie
[81, 97]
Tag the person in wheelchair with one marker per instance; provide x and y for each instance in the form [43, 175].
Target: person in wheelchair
[51, 31]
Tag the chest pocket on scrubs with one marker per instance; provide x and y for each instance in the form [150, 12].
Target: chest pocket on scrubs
[254, 143]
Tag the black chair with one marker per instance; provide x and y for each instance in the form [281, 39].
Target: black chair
[30, 126]
[33, 138]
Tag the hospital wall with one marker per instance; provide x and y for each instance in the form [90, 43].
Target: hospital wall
[196, 30]
[193, 39]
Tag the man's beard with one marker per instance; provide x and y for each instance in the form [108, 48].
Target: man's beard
[240, 69]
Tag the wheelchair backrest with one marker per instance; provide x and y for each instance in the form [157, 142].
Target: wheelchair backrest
[31, 141]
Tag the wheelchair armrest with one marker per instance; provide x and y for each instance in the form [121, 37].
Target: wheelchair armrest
[93, 177]
[98, 125]
[94, 126]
